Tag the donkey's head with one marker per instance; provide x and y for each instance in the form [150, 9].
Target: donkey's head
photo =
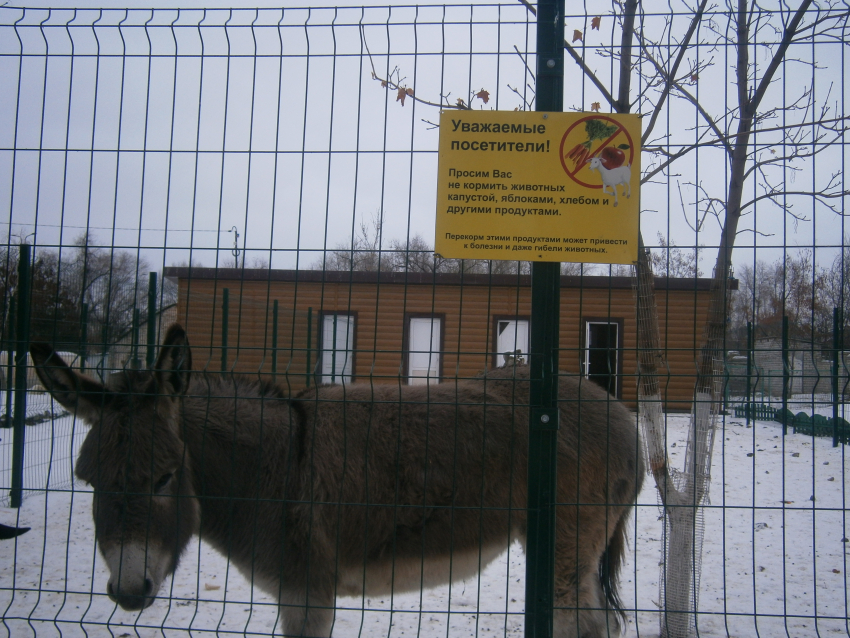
[135, 459]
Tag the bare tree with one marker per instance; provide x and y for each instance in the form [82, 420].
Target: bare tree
[669, 72]
[414, 254]
[112, 283]
[666, 65]
[793, 287]
[834, 292]
[363, 253]
[671, 261]
[731, 130]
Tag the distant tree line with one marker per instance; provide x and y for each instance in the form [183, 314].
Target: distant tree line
[797, 287]
[369, 251]
[110, 284]
[794, 286]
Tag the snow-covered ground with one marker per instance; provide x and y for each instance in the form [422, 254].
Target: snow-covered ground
[774, 563]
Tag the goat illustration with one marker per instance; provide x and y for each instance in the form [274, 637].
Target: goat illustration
[612, 177]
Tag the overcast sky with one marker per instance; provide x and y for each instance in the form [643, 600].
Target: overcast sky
[280, 131]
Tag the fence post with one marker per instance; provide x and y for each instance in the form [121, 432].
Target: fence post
[151, 339]
[225, 310]
[10, 362]
[105, 367]
[309, 340]
[274, 341]
[786, 374]
[837, 344]
[747, 401]
[543, 360]
[84, 335]
[19, 418]
[135, 362]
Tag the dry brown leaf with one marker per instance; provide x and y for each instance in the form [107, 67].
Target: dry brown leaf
[409, 92]
[460, 102]
[578, 35]
[594, 23]
[694, 78]
[483, 96]
[383, 84]
[402, 93]
[595, 107]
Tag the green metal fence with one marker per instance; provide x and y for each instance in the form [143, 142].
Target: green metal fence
[266, 179]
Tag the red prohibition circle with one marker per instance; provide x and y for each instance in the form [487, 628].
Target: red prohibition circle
[621, 131]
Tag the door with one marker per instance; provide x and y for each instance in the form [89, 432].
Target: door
[602, 354]
[337, 348]
[511, 341]
[423, 356]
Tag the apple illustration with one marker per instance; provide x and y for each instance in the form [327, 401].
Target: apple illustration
[612, 157]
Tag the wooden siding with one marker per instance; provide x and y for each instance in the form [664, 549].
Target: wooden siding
[468, 309]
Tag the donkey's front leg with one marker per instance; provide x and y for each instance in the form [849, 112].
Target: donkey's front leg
[307, 614]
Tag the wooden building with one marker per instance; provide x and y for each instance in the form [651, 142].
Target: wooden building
[307, 326]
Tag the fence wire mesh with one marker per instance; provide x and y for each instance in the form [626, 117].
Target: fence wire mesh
[266, 179]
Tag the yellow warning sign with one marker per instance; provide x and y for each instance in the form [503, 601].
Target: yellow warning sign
[538, 186]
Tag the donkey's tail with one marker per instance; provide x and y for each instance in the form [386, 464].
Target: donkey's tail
[610, 563]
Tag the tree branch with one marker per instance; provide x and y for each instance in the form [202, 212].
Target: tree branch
[708, 119]
[580, 62]
[816, 195]
[590, 75]
[788, 36]
[668, 85]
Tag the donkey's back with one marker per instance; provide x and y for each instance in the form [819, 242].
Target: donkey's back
[420, 485]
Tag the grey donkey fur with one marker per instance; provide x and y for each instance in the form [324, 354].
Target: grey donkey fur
[350, 490]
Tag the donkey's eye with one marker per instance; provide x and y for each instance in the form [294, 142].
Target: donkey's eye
[162, 483]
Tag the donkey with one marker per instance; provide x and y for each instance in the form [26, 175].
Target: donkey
[354, 490]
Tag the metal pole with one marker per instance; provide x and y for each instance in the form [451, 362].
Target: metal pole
[84, 335]
[225, 309]
[106, 367]
[274, 340]
[309, 340]
[150, 357]
[837, 344]
[748, 402]
[543, 360]
[10, 363]
[19, 418]
[135, 362]
[786, 375]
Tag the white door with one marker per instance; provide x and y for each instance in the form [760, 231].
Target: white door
[337, 348]
[511, 340]
[423, 357]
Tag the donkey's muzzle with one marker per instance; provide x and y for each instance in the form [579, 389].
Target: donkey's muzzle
[132, 600]
[134, 574]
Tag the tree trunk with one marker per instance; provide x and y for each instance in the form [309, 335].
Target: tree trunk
[682, 494]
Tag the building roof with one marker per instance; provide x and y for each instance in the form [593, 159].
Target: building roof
[418, 278]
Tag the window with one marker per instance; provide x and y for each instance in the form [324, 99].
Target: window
[337, 348]
[424, 338]
[602, 353]
[511, 340]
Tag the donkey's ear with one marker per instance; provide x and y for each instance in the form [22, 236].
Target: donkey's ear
[174, 365]
[72, 390]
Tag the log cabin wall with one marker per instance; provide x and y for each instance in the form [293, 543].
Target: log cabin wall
[469, 308]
